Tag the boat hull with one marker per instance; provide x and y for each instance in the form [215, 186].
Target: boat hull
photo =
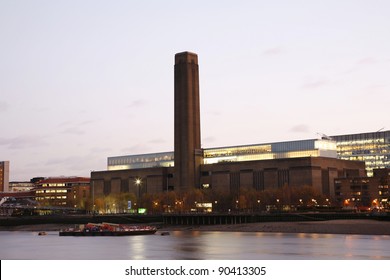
[106, 233]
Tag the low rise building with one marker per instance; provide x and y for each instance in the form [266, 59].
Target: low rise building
[363, 192]
[21, 186]
[63, 192]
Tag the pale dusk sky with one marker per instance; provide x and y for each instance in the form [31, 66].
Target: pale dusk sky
[84, 80]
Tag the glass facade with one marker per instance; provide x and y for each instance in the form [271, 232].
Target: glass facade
[304, 148]
[373, 148]
[141, 161]
[292, 149]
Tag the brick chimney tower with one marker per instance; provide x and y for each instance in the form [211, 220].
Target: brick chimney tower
[188, 153]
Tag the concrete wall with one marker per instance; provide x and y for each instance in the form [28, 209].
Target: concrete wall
[231, 176]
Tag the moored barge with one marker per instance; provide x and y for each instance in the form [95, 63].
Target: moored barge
[108, 229]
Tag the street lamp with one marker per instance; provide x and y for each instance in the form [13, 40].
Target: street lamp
[138, 183]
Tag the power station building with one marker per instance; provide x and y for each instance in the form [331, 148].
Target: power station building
[261, 166]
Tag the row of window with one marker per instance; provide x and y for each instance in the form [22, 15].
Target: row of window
[51, 191]
[50, 197]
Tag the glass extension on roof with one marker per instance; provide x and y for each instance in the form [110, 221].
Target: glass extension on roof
[140, 161]
[292, 149]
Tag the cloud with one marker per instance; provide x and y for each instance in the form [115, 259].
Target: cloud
[87, 122]
[209, 139]
[3, 106]
[99, 150]
[157, 141]
[300, 128]
[377, 86]
[75, 128]
[135, 149]
[74, 131]
[316, 84]
[137, 103]
[22, 142]
[70, 165]
[214, 113]
[367, 61]
[273, 51]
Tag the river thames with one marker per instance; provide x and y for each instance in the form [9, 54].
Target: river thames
[195, 245]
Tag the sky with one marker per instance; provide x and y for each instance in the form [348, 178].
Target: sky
[84, 80]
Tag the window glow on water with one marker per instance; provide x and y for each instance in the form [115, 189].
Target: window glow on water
[195, 245]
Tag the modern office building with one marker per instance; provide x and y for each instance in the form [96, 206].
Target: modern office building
[261, 166]
[373, 148]
[63, 191]
[4, 176]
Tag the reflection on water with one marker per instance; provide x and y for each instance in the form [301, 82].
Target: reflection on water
[185, 245]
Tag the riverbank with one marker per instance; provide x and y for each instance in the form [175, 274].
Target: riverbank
[363, 227]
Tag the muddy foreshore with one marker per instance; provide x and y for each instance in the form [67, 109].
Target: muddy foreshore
[363, 227]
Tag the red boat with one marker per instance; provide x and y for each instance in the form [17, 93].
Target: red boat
[108, 229]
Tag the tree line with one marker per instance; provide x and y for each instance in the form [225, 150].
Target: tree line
[201, 200]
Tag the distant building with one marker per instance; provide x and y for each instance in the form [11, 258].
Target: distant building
[371, 147]
[21, 186]
[63, 191]
[15, 203]
[363, 192]
[4, 176]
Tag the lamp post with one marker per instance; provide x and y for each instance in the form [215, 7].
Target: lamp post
[138, 183]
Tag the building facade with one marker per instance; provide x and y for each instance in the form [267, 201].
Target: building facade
[317, 172]
[63, 192]
[261, 166]
[372, 147]
[21, 186]
[4, 176]
[362, 192]
[268, 151]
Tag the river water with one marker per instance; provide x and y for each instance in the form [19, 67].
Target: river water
[193, 245]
